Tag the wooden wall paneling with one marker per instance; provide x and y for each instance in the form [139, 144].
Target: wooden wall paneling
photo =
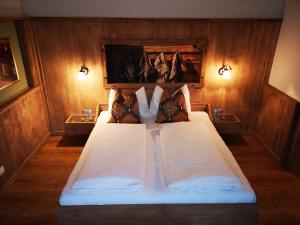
[23, 121]
[23, 125]
[269, 64]
[293, 155]
[25, 36]
[274, 121]
[244, 44]
[31, 59]
[61, 58]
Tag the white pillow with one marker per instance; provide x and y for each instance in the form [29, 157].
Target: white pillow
[155, 100]
[141, 98]
[186, 93]
[143, 103]
[111, 98]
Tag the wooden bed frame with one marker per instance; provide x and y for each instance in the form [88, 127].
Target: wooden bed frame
[160, 214]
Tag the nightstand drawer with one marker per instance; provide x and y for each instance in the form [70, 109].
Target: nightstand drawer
[78, 124]
[227, 123]
[77, 129]
[233, 128]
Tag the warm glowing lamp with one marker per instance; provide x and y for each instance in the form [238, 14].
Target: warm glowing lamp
[83, 72]
[225, 72]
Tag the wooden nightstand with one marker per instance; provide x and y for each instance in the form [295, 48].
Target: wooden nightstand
[79, 124]
[227, 123]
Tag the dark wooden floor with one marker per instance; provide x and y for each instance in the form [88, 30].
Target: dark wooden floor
[33, 198]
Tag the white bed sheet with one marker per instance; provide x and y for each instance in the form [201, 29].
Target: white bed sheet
[155, 191]
[113, 165]
[192, 161]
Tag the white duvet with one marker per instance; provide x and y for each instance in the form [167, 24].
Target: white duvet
[151, 188]
[115, 162]
[192, 161]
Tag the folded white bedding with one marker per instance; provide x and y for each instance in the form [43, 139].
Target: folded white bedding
[192, 161]
[154, 190]
[115, 162]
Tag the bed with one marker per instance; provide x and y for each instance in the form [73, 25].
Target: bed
[155, 193]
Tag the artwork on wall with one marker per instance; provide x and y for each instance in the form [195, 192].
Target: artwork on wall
[151, 63]
[8, 72]
[13, 80]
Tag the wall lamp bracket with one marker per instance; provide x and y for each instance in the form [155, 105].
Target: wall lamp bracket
[84, 70]
[225, 71]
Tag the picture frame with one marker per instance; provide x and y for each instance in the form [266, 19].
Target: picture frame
[8, 71]
[12, 63]
[152, 48]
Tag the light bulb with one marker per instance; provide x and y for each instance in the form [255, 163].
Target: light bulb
[226, 74]
[81, 76]
[83, 72]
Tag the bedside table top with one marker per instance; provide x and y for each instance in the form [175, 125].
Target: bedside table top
[81, 118]
[226, 118]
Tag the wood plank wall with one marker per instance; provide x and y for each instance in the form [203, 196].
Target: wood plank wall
[276, 122]
[65, 43]
[23, 122]
[23, 126]
[293, 160]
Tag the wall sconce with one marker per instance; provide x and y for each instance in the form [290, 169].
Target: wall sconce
[83, 72]
[225, 72]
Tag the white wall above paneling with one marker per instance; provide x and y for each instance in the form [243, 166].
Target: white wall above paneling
[285, 74]
[155, 8]
[10, 8]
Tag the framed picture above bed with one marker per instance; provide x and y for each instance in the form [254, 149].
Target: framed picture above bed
[135, 63]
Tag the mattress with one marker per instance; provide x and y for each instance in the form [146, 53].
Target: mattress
[154, 189]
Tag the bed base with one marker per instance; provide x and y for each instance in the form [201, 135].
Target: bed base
[162, 214]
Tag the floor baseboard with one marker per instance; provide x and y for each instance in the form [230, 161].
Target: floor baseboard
[266, 146]
[14, 176]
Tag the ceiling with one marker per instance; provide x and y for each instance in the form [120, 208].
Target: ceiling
[144, 8]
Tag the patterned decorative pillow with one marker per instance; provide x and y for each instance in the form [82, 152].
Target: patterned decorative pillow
[172, 108]
[125, 109]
